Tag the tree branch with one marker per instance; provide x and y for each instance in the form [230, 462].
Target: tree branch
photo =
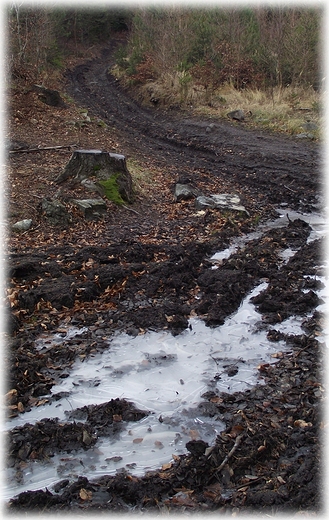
[27, 150]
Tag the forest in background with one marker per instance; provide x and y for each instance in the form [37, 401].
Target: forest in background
[248, 47]
[214, 57]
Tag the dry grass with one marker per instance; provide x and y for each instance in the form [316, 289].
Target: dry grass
[289, 110]
[143, 178]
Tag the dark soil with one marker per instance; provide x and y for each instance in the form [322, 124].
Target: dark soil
[147, 267]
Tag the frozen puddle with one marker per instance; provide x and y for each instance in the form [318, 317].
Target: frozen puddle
[317, 221]
[163, 374]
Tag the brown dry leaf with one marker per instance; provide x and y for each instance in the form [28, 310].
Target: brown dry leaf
[194, 434]
[12, 296]
[86, 439]
[117, 418]
[20, 407]
[11, 395]
[214, 490]
[299, 423]
[263, 367]
[85, 495]
[42, 402]
[159, 444]
[132, 478]
[90, 262]
[216, 399]
[236, 430]
[166, 466]
[165, 475]
[182, 499]
[138, 440]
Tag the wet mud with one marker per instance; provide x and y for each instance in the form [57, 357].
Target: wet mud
[268, 457]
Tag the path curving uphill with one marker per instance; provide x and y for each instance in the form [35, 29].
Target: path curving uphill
[275, 169]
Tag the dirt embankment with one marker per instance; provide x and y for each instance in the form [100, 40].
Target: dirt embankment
[149, 269]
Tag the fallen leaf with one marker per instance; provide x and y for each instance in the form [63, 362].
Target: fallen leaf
[181, 499]
[216, 399]
[86, 439]
[138, 440]
[299, 423]
[11, 395]
[236, 430]
[263, 367]
[85, 495]
[194, 434]
[166, 466]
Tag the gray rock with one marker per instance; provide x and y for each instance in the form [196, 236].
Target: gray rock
[210, 128]
[185, 192]
[309, 126]
[55, 212]
[305, 136]
[92, 186]
[91, 208]
[221, 201]
[238, 115]
[49, 96]
[22, 225]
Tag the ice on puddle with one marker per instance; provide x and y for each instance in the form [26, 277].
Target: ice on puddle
[163, 374]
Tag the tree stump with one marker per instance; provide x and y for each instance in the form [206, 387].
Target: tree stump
[50, 97]
[108, 169]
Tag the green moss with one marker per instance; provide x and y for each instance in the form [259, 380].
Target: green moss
[111, 189]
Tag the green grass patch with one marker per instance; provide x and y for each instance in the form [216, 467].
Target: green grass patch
[111, 189]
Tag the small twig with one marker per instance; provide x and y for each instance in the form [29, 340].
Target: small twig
[130, 209]
[27, 150]
[210, 354]
[230, 453]
[300, 350]
[289, 188]
[251, 483]
[33, 229]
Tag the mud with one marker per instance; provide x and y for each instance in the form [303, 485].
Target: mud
[268, 458]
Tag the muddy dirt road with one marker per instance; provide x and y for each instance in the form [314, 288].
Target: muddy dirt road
[273, 169]
[149, 269]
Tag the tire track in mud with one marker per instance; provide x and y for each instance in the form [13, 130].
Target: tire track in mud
[275, 168]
